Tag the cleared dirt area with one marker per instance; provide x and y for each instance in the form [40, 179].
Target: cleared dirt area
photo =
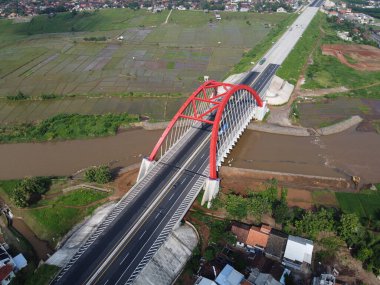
[359, 57]
[303, 191]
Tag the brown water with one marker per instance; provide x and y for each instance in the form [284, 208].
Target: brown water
[340, 155]
[67, 157]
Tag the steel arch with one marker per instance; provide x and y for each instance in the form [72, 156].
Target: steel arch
[219, 101]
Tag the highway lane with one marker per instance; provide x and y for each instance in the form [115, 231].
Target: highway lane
[126, 262]
[265, 77]
[121, 269]
[88, 262]
[137, 248]
[249, 78]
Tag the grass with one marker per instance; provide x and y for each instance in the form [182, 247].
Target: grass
[167, 58]
[60, 214]
[291, 69]
[66, 126]
[372, 92]
[260, 49]
[6, 188]
[376, 125]
[100, 20]
[52, 218]
[365, 204]
[327, 71]
[43, 275]
[79, 197]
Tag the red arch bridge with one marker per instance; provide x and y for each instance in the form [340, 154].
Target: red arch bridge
[185, 160]
[218, 113]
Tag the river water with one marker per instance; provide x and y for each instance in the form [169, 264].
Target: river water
[66, 157]
[340, 155]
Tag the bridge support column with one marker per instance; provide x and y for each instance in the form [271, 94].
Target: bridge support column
[211, 190]
[146, 164]
[261, 111]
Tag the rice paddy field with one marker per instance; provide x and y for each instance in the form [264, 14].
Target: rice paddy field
[49, 55]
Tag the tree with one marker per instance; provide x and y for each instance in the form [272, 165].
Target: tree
[349, 228]
[312, 223]
[29, 191]
[236, 206]
[280, 212]
[100, 174]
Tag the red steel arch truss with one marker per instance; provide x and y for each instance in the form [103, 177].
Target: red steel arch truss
[205, 106]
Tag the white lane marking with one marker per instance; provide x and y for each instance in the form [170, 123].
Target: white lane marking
[156, 216]
[123, 260]
[171, 196]
[156, 229]
[142, 235]
[106, 282]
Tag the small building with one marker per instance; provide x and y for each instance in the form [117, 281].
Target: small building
[6, 274]
[254, 237]
[229, 276]
[218, 17]
[276, 245]
[204, 281]
[281, 10]
[297, 252]
[258, 278]
[324, 279]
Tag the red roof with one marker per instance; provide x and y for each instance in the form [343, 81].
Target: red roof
[5, 271]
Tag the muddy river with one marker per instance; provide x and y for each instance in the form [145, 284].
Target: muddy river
[340, 155]
[67, 157]
[345, 154]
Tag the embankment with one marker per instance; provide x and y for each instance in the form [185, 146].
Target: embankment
[236, 178]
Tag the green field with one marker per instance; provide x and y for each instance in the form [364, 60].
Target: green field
[50, 219]
[28, 111]
[66, 126]
[50, 55]
[291, 69]
[324, 71]
[366, 205]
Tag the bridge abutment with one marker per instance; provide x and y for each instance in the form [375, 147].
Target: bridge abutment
[211, 188]
[260, 111]
[146, 164]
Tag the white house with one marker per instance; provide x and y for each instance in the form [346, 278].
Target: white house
[298, 251]
[281, 10]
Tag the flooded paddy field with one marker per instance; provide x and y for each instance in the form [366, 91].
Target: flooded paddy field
[151, 57]
[27, 111]
[324, 112]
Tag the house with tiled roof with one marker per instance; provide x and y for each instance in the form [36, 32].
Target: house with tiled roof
[256, 237]
[6, 274]
[276, 244]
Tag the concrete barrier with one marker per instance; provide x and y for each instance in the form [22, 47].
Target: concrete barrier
[340, 127]
[280, 130]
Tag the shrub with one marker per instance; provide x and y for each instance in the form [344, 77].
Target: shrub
[29, 191]
[100, 174]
